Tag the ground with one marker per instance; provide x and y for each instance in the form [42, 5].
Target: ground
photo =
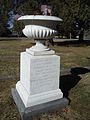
[75, 84]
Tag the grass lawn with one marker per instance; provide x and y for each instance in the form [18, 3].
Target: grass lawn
[75, 57]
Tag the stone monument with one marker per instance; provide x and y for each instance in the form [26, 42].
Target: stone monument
[38, 89]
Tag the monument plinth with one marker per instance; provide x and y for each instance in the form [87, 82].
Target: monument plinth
[39, 68]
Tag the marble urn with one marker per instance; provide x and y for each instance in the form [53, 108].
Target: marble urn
[40, 28]
[38, 90]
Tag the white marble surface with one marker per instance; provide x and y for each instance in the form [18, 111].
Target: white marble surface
[38, 32]
[40, 27]
[39, 52]
[39, 79]
[41, 20]
[39, 17]
[39, 67]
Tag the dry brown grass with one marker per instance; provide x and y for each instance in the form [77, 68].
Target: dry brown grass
[71, 56]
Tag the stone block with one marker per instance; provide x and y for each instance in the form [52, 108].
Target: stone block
[39, 79]
[28, 112]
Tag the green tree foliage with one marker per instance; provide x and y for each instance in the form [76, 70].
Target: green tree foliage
[29, 6]
[4, 7]
[75, 13]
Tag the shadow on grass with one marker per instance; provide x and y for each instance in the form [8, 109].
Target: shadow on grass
[76, 43]
[67, 82]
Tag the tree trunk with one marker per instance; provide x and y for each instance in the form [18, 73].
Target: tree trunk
[81, 35]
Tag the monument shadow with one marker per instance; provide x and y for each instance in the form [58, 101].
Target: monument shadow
[68, 81]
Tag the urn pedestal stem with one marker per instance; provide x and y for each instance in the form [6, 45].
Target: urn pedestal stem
[39, 46]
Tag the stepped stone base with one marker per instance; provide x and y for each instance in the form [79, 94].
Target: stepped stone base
[28, 112]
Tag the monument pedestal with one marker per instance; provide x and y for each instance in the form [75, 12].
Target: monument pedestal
[39, 83]
[38, 89]
[39, 79]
